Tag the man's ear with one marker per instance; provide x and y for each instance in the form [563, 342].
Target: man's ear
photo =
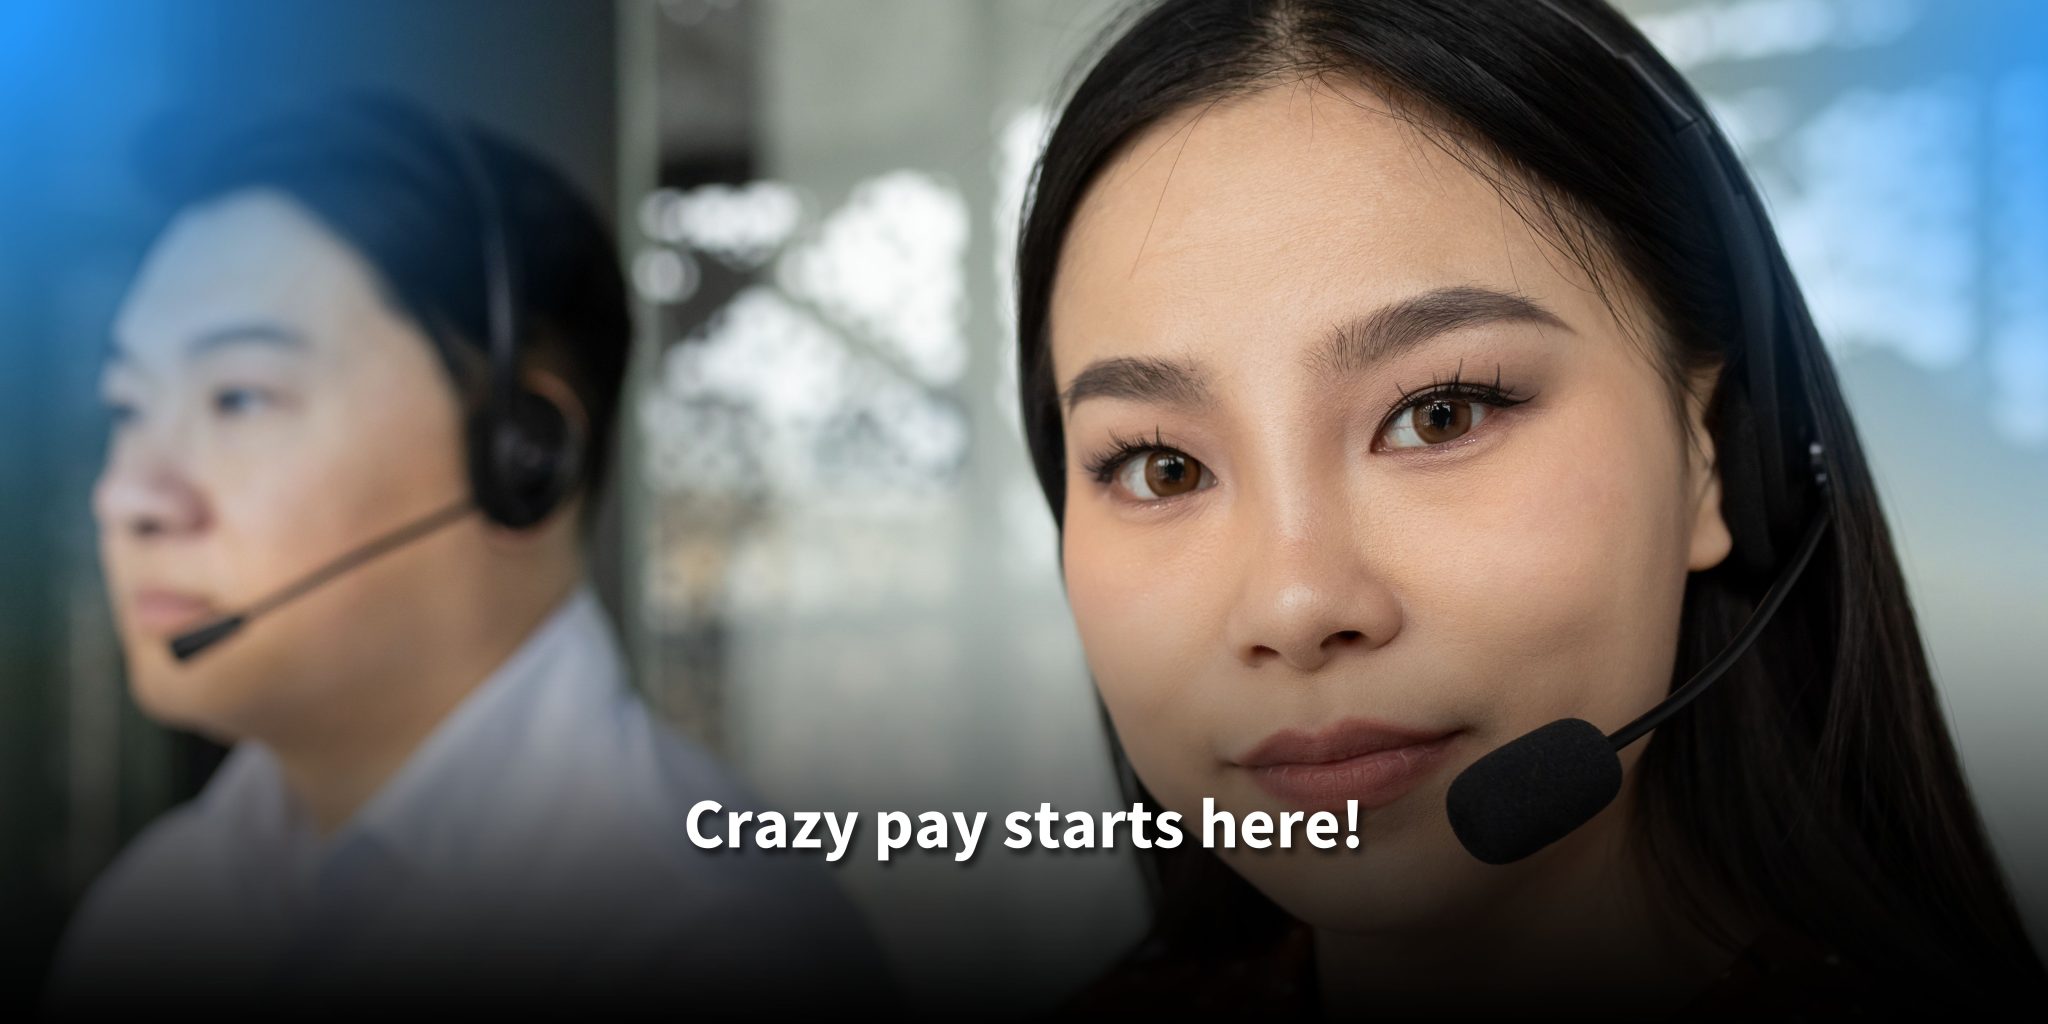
[1711, 541]
[549, 384]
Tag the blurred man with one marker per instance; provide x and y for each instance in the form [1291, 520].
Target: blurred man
[362, 390]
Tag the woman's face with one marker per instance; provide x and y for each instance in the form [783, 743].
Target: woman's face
[1363, 481]
[272, 412]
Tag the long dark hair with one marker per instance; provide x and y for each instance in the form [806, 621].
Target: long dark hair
[1818, 783]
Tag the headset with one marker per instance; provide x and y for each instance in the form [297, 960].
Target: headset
[1536, 789]
[524, 453]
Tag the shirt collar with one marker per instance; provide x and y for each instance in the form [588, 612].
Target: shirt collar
[464, 788]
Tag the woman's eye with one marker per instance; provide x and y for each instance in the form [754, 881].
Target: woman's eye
[1434, 421]
[1161, 473]
[239, 401]
[120, 414]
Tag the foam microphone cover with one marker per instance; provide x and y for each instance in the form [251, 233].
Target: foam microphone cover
[1533, 791]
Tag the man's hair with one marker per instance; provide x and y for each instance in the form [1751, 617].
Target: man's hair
[387, 176]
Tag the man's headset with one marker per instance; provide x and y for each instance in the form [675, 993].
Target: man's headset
[1535, 790]
[524, 453]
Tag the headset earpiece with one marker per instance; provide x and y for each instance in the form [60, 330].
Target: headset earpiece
[523, 462]
[525, 454]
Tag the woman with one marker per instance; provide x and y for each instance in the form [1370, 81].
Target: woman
[1402, 379]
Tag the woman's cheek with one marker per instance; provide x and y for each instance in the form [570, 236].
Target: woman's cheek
[1130, 621]
[1142, 601]
[1581, 597]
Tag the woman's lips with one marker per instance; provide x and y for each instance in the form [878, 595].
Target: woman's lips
[164, 612]
[1355, 760]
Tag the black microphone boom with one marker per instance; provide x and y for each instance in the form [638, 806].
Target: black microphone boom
[188, 644]
[1535, 790]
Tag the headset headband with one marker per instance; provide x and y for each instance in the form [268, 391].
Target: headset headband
[1761, 432]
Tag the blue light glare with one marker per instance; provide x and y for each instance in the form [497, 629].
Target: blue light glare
[1903, 148]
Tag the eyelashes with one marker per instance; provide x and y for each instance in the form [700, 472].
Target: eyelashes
[1104, 464]
[1454, 408]
[1439, 398]
[1455, 389]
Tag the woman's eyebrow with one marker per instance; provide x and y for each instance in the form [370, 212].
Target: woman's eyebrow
[1138, 379]
[1351, 346]
[1397, 327]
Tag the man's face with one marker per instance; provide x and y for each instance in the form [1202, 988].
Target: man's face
[272, 411]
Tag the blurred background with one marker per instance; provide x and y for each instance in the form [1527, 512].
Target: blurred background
[826, 549]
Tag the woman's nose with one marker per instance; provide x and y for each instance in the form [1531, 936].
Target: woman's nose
[145, 492]
[1309, 596]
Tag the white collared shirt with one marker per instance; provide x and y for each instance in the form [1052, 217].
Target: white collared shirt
[533, 846]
